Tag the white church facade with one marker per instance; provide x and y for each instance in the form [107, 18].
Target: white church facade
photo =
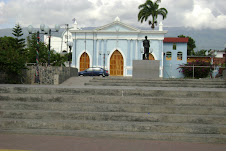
[114, 47]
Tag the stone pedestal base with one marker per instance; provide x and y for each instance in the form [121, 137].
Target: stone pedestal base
[146, 69]
[224, 74]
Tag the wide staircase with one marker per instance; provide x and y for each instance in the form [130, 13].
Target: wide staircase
[122, 81]
[133, 113]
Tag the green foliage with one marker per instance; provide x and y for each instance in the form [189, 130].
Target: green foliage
[191, 45]
[13, 55]
[55, 59]
[150, 8]
[199, 72]
[58, 60]
[32, 47]
[202, 52]
[20, 42]
[11, 61]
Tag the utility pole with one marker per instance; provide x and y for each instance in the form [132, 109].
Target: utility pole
[67, 27]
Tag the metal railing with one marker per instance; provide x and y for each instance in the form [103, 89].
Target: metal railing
[214, 70]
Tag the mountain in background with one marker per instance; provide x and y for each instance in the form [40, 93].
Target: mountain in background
[204, 38]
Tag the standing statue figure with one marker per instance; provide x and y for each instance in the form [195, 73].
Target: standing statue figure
[146, 44]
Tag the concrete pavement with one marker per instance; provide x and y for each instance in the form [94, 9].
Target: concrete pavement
[11, 142]
[68, 143]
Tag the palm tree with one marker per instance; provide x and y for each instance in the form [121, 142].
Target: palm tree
[151, 9]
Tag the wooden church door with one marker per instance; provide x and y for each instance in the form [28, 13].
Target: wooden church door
[84, 61]
[116, 64]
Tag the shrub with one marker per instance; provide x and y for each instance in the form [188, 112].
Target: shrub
[199, 72]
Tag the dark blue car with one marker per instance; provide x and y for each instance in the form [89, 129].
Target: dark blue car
[94, 71]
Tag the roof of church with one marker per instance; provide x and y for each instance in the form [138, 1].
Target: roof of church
[175, 40]
[117, 22]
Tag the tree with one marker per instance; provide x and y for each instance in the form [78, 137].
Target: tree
[17, 32]
[191, 45]
[202, 52]
[151, 9]
[55, 59]
[32, 47]
[11, 61]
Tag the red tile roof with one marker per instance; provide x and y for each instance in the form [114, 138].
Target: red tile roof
[175, 40]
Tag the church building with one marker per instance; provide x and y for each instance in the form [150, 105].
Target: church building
[114, 47]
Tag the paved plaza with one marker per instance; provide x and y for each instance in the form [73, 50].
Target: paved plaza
[20, 142]
[68, 143]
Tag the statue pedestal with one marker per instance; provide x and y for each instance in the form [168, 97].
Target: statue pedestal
[224, 74]
[146, 69]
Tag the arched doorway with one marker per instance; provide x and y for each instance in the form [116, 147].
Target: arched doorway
[84, 61]
[151, 57]
[116, 64]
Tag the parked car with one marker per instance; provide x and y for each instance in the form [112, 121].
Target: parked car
[94, 71]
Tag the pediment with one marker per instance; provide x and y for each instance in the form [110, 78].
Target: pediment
[117, 26]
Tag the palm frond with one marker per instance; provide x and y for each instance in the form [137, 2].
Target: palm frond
[150, 8]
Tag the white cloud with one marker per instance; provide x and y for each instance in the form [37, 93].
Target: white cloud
[1, 12]
[203, 16]
[192, 13]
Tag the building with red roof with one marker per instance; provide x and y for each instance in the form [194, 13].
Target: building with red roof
[175, 54]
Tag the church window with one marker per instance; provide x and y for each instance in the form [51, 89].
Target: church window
[168, 55]
[174, 46]
[179, 56]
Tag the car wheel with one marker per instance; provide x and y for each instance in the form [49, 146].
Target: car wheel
[103, 75]
[81, 75]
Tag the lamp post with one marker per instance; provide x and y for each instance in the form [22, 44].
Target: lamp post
[48, 30]
[104, 54]
[225, 56]
[224, 72]
[45, 30]
[213, 54]
[70, 44]
[30, 30]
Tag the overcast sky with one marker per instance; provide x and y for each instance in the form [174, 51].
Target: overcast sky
[93, 13]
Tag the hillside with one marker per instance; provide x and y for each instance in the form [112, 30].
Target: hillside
[205, 38]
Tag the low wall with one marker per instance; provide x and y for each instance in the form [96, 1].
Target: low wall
[3, 77]
[49, 75]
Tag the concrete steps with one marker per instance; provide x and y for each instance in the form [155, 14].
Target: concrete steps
[115, 126]
[201, 83]
[113, 116]
[207, 138]
[131, 100]
[131, 108]
[175, 115]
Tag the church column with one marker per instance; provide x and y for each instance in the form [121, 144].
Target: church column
[134, 52]
[107, 55]
[100, 51]
[127, 56]
[74, 59]
[95, 53]
[139, 50]
[128, 52]
[161, 58]
[104, 55]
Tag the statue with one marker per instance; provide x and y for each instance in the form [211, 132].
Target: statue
[146, 44]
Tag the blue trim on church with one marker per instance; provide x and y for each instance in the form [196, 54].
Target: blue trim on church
[128, 41]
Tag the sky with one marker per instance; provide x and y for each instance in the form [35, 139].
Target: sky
[196, 14]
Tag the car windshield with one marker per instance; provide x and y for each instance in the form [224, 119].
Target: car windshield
[96, 69]
[89, 69]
